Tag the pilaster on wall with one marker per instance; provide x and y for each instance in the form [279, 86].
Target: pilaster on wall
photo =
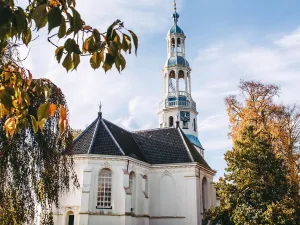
[85, 196]
[192, 200]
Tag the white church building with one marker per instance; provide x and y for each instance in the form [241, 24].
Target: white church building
[147, 177]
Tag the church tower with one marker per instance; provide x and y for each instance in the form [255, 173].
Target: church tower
[177, 105]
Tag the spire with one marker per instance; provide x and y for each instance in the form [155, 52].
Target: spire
[175, 15]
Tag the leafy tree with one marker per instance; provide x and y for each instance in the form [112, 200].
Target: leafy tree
[36, 162]
[261, 185]
[76, 132]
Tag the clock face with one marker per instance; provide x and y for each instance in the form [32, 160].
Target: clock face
[185, 116]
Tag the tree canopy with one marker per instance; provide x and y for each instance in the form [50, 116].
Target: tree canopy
[36, 162]
[261, 184]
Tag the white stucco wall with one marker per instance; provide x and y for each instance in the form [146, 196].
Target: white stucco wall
[174, 193]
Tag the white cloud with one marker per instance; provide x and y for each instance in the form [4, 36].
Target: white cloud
[214, 122]
[290, 40]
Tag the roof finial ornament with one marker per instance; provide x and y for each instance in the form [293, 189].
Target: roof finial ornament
[175, 14]
[100, 110]
[175, 7]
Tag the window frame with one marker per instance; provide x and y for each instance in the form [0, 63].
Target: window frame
[185, 125]
[104, 197]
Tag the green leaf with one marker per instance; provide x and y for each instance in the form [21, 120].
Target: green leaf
[113, 48]
[21, 20]
[77, 21]
[110, 30]
[43, 112]
[6, 15]
[96, 35]
[76, 60]
[117, 62]
[125, 42]
[47, 92]
[68, 62]
[71, 46]
[109, 61]
[122, 62]
[26, 36]
[62, 28]
[39, 15]
[71, 22]
[54, 18]
[135, 40]
[59, 52]
[95, 60]
[34, 124]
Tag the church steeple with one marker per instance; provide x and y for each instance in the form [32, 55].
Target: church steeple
[177, 101]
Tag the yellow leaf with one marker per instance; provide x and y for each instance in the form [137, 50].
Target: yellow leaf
[34, 124]
[41, 123]
[10, 126]
[2, 91]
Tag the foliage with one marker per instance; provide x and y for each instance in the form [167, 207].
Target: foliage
[36, 163]
[261, 185]
[16, 28]
[76, 133]
[35, 167]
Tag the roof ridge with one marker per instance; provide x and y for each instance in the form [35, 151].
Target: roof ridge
[112, 136]
[185, 144]
[85, 130]
[153, 129]
[117, 126]
[94, 134]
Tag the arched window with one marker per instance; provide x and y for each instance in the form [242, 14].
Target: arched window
[179, 45]
[104, 189]
[195, 125]
[173, 45]
[70, 218]
[132, 188]
[172, 81]
[204, 194]
[171, 121]
[181, 81]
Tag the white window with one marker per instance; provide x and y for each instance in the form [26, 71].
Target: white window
[185, 125]
[204, 194]
[145, 186]
[104, 189]
[132, 190]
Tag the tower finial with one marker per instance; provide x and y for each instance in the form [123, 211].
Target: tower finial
[175, 14]
[175, 7]
[100, 110]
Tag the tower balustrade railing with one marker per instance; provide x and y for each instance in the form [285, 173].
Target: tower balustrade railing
[177, 103]
[180, 93]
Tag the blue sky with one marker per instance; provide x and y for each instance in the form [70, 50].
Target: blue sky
[227, 40]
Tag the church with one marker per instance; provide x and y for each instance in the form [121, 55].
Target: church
[146, 177]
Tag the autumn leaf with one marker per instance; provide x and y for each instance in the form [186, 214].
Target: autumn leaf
[52, 109]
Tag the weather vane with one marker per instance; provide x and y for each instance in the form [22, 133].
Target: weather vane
[175, 5]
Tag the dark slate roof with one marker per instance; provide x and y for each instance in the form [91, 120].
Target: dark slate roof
[126, 141]
[162, 146]
[157, 146]
[83, 141]
[103, 142]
